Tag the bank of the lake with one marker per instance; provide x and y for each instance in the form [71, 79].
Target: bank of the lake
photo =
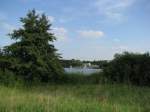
[75, 98]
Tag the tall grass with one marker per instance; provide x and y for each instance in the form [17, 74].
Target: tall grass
[77, 78]
[75, 98]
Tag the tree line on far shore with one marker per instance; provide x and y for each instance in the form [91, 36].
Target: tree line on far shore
[33, 58]
[78, 63]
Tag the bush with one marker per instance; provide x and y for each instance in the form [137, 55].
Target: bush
[129, 68]
[76, 78]
[7, 78]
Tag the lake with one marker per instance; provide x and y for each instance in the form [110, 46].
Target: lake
[86, 71]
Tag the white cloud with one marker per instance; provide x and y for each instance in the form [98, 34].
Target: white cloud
[113, 9]
[121, 48]
[91, 34]
[39, 11]
[6, 26]
[51, 19]
[60, 33]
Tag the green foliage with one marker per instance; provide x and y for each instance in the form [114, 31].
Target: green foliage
[76, 78]
[78, 63]
[33, 56]
[129, 68]
[102, 64]
[73, 63]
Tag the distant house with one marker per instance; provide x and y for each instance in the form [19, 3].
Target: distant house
[89, 65]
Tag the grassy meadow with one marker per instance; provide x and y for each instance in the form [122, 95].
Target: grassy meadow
[33, 75]
[75, 98]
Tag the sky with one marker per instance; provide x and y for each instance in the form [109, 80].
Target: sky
[85, 29]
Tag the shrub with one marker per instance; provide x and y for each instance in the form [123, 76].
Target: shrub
[130, 68]
[76, 78]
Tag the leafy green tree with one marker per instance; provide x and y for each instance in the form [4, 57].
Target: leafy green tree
[130, 68]
[33, 55]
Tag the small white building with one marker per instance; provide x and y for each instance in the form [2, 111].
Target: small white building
[86, 65]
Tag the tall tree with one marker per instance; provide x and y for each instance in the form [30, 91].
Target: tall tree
[33, 54]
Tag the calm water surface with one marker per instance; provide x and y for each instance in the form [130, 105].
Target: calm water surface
[82, 70]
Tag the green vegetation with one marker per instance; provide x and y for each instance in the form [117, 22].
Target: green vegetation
[32, 57]
[129, 68]
[100, 63]
[73, 78]
[75, 98]
[31, 74]
[78, 63]
[73, 63]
